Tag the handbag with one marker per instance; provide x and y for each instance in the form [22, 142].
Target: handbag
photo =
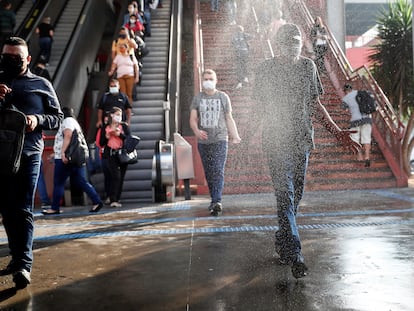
[128, 153]
[77, 152]
[126, 157]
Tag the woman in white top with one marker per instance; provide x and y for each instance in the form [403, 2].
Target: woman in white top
[63, 169]
[127, 70]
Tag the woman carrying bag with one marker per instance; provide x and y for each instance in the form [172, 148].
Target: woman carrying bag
[64, 169]
[112, 139]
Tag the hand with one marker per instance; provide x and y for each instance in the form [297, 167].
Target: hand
[345, 139]
[202, 135]
[235, 140]
[4, 89]
[31, 123]
[64, 158]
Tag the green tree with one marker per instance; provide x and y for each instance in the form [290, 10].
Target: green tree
[393, 64]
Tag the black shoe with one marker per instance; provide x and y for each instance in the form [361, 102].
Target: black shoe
[299, 268]
[21, 278]
[10, 269]
[216, 209]
[367, 163]
[50, 211]
[96, 208]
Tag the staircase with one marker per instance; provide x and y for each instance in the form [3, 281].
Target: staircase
[147, 120]
[330, 167]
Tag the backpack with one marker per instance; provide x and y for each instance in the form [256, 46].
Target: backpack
[366, 102]
[12, 134]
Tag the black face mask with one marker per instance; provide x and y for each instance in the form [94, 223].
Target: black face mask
[11, 65]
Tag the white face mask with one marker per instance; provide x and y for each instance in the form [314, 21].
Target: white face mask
[209, 85]
[117, 118]
[132, 21]
[113, 89]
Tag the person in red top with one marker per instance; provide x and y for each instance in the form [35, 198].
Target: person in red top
[112, 138]
[135, 25]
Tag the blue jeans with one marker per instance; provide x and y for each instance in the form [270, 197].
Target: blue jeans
[147, 15]
[288, 170]
[214, 5]
[77, 175]
[41, 187]
[45, 44]
[214, 156]
[17, 193]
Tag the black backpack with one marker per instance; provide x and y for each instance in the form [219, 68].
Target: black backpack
[366, 102]
[12, 134]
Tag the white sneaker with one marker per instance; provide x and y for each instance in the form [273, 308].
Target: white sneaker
[246, 79]
[239, 86]
[116, 204]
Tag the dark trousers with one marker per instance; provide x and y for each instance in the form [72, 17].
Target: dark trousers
[17, 193]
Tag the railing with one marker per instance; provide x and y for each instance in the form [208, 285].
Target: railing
[387, 127]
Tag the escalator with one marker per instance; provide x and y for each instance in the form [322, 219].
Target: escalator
[148, 111]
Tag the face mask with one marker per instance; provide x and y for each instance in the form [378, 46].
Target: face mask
[117, 118]
[12, 65]
[113, 89]
[122, 36]
[209, 85]
[132, 21]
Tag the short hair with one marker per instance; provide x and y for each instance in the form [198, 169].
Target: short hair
[114, 81]
[68, 112]
[15, 41]
[347, 87]
[209, 72]
[288, 33]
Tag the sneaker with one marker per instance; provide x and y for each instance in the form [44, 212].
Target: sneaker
[211, 207]
[246, 80]
[21, 278]
[116, 204]
[107, 201]
[217, 209]
[299, 268]
[239, 85]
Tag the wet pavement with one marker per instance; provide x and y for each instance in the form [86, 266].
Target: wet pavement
[359, 247]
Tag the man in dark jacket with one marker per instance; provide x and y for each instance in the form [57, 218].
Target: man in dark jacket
[35, 97]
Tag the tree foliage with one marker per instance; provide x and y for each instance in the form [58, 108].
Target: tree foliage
[393, 55]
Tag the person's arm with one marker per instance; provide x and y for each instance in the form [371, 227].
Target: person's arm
[136, 72]
[232, 129]
[67, 136]
[99, 121]
[200, 134]
[52, 115]
[128, 113]
[343, 136]
[113, 68]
